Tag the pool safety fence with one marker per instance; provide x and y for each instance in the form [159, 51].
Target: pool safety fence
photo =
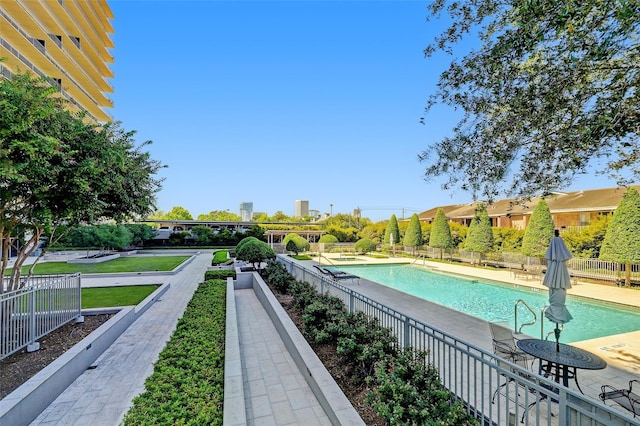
[492, 389]
[44, 303]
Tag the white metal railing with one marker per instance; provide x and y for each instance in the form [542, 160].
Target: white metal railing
[45, 303]
[472, 374]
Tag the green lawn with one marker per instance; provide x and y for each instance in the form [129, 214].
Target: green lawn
[105, 297]
[121, 264]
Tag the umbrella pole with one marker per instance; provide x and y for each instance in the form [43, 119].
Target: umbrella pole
[557, 333]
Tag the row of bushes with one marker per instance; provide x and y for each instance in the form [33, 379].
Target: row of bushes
[187, 384]
[404, 388]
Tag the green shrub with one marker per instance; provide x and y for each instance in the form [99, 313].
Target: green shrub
[366, 342]
[365, 245]
[187, 384]
[407, 391]
[328, 239]
[318, 315]
[221, 274]
[278, 276]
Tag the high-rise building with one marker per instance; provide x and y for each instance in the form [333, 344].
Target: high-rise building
[65, 41]
[246, 211]
[302, 208]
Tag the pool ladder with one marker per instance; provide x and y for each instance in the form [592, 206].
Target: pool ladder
[535, 319]
[515, 309]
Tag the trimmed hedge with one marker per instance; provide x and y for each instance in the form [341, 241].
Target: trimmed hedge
[187, 384]
[220, 274]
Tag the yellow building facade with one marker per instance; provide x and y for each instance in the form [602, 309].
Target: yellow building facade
[65, 41]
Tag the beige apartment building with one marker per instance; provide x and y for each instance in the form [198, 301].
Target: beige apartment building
[65, 41]
[568, 209]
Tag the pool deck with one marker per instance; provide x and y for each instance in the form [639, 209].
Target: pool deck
[621, 351]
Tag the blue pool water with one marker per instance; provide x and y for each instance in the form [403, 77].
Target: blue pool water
[495, 302]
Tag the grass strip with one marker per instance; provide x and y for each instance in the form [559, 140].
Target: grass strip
[187, 384]
[121, 264]
[106, 297]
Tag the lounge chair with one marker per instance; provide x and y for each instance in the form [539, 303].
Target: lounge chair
[626, 398]
[504, 346]
[341, 275]
[336, 275]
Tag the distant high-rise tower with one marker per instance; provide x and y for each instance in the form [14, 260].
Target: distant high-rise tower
[67, 42]
[246, 211]
[302, 208]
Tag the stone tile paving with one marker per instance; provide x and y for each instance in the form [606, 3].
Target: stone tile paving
[275, 390]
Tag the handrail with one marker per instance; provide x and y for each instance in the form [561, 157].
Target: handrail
[515, 309]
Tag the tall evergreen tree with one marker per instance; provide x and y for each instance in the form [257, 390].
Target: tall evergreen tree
[392, 229]
[539, 231]
[440, 236]
[621, 243]
[480, 235]
[413, 235]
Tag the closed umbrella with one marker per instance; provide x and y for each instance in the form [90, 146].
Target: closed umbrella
[558, 280]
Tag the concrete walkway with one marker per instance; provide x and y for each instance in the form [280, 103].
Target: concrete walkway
[275, 390]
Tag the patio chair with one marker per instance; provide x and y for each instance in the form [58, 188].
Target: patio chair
[504, 346]
[626, 398]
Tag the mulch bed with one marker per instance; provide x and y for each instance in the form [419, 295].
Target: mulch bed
[16, 369]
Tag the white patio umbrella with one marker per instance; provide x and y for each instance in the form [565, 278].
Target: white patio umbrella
[558, 280]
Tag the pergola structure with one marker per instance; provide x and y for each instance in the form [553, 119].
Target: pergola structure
[275, 236]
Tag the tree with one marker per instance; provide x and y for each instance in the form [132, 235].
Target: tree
[279, 216]
[295, 243]
[219, 215]
[328, 239]
[621, 243]
[552, 86]
[254, 251]
[440, 236]
[413, 234]
[539, 231]
[392, 231]
[480, 235]
[60, 170]
[140, 233]
[365, 245]
[113, 237]
[587, 241]
[178, 213]
[202, 234]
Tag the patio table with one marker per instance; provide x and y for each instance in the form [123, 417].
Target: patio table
[564, 361]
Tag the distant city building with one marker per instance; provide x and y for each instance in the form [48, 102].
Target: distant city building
[246, 211]
[68, 43]
[314, 213]
[302, 208]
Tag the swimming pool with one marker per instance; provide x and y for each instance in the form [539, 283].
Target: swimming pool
[495, 302]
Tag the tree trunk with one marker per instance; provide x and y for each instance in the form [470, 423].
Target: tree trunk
[627, 277]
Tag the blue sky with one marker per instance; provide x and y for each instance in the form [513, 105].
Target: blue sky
[277, 101]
